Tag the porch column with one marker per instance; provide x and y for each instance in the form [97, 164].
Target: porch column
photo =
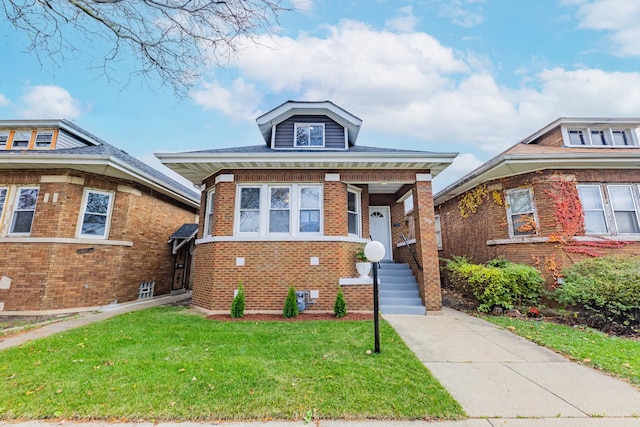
[426, 247]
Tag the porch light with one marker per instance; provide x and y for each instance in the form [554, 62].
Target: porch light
[374, 251]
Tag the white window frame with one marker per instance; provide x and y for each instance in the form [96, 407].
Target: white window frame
[264, 209]
[438, 227]
[289, 208]
[608, 134]
[633, 202]
[83, 211]
[358, 212]
[16, 200]
[534, 212]
[603, 210]
[309, 125]
[208, 216]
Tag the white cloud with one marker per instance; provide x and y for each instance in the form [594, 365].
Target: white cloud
[404, 22]
[239, 101]
[302, 5]
[462, 165]
[4, 101]
[619, 18]
[49, 101]
[461, 12]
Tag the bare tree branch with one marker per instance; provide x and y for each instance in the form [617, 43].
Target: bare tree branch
[175, 39]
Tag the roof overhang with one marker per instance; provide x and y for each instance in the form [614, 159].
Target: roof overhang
[583, 121]
[96, 164]
[516, 164]
[197, 166]
[293, 108]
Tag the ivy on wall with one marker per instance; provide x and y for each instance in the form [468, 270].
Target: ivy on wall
[470, 202]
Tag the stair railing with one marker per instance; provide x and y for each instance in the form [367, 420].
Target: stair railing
[411, 251]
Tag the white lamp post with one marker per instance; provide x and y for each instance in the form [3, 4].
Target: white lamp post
[374, 251]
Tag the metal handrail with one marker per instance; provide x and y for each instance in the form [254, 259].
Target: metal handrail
[411, 251]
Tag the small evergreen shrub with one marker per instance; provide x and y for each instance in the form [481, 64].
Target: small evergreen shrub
[290, 304]
[237, 306]
[606, 290]
[499, 283]
[340, 306]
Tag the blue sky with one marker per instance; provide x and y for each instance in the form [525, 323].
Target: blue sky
[467, 76]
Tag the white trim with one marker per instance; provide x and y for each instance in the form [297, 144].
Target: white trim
[331, 177]
[438, 227]
[208, 213]
[592, 238]
[65, 240]
[358, 193]
[310, 126]
[62, 179]
[83, 211]
[607, 128]
[355, 281]
[534, 212]
[16, 198]
[224, 177]
[389, 241]
[280, 238]
[423, 177]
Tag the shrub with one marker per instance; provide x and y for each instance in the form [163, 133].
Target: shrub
[607, 289]
[499, 283]
[237, 306]
[290, 304]
[340, 306]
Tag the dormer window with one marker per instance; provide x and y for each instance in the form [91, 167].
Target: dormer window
[309, 135]
[600, 137]
[4, 137]
[44, 139]
[21, 140]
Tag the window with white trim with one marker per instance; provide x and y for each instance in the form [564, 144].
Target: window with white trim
[600, 136]
[309, 135]
[95, 215]
[438, 232]
[272, 210]
[617, 213]
[24, 210]
[208, 219]
[353, 212]
[521, 213]
[595, 221]
[21, 140]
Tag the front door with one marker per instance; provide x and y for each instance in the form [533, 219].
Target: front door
[380, 227]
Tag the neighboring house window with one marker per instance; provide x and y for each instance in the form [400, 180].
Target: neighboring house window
[600, 137]
[620, 137]
[279, 209]
[44, 139]
[576, 137]
[593, 208]
[25, 208]
[309, 135]
[438, 232]
[4, 137]
[353, 212]
[521, 213]
[624, 209]
[208, 220]
[95, 214]
[21, 140]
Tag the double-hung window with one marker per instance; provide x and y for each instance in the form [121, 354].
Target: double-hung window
[309, 135]
[521, 213]
[624, 210]
[353, 212]
[277, 210]
[21, 140]
[595, 221]
[208, 220]
[44, 139]
[96, 211]
[24, 210]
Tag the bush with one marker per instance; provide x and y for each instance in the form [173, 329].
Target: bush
[237, 306]
[607, 289]
[340, 306]
[290, 304]
[499, 283]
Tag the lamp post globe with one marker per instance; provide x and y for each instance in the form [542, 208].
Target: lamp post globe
[374, 251]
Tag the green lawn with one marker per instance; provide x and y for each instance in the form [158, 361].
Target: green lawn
[617, 356]
[169, 363]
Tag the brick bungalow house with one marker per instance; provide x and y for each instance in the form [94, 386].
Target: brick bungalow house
[294, 211]
[569, 191]
[82, 223]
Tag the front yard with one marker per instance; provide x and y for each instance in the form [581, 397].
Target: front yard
[169, 363]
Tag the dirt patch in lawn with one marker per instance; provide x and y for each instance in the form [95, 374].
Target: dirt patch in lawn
[302, 317]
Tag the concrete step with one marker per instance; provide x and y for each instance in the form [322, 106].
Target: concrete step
[397, 279]
[403, 301]
[398, 286]
[398, 309]
[413, 293]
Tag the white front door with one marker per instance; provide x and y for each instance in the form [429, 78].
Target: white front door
[380, 227]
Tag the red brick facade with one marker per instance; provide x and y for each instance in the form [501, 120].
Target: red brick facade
[52, 269]
[272, 266]
[484, 235]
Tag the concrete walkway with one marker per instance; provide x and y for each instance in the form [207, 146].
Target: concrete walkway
[499, 378]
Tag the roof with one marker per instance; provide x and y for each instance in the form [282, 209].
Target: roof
[198, 165]
[186, 231]
[96, 157]
[526, 157]
[293, 108]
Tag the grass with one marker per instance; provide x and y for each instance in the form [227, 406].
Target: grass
[614, 355]
[168, 363]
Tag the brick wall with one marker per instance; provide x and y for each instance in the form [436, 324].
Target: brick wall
[46, 275]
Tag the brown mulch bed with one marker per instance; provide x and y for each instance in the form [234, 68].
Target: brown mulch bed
[302, 317]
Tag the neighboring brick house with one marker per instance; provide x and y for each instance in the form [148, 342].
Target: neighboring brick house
[569, 191]
[82, 223]
[294, 211]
